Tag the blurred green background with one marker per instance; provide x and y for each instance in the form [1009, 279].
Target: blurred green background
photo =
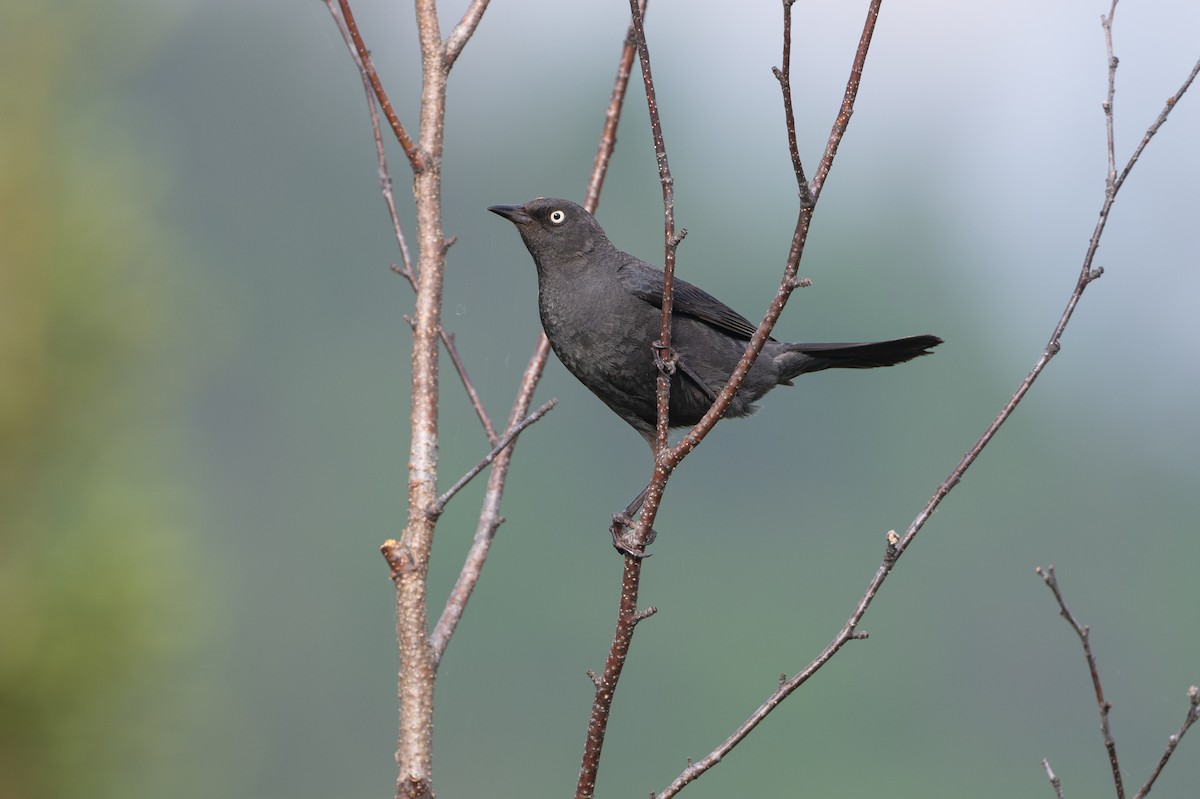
[203, 404]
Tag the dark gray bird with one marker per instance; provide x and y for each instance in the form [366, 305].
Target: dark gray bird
[601, 308]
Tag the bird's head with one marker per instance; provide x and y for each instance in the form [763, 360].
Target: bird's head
[556, 232]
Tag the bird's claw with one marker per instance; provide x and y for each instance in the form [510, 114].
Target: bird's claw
[622, 530]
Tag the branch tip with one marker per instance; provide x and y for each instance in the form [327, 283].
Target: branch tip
[1055, 782]
[642, 615]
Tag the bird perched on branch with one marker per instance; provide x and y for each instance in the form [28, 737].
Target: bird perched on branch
[601, 308]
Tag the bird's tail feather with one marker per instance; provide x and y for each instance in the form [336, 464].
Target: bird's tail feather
[798, 359]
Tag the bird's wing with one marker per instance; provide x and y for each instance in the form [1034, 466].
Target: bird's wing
[646, 283]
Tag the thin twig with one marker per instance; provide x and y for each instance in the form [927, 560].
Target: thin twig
[472, 394]
[1158, 123]
[1055, 782]
[461, 368]
[385, 176]
[1173, 740]
[1110, 96]
[489, 513]
[1084, 633]
[415, 159]
[784, 75]
[509, 437]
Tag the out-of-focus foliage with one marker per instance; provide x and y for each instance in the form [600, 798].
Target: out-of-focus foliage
[87, 548]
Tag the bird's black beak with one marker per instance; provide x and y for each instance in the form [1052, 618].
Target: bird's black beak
[513, 213]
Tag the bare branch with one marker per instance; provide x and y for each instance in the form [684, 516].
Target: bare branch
[509, 437]
[1106, 23]
[385, 177]
[459, 367]
[464, 30]
[628, 615]
[408, 559]
[1173, 740]
[1055, 782]
[663, 355]
[489, 514]
[472, 394]
[606, 682]
[1084, 633]
[1157, 123]
[784, 76]
[1104, 705]
[415, 159]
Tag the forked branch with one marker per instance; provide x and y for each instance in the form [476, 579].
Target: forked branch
[1084, 634]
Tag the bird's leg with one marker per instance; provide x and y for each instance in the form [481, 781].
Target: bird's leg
[623, 527]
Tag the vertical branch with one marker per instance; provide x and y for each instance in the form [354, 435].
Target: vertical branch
[628, 615]
[1106, 23]
[417, 674]
[408, 558]
[663, 356]
[783, 74]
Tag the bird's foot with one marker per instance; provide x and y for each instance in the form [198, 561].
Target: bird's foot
[622, 529]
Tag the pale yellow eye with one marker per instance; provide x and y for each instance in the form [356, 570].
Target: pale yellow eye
[557, 217]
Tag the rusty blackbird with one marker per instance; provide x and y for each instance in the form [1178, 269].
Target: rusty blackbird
[601, 308]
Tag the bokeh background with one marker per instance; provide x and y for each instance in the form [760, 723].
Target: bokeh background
[203, 403]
